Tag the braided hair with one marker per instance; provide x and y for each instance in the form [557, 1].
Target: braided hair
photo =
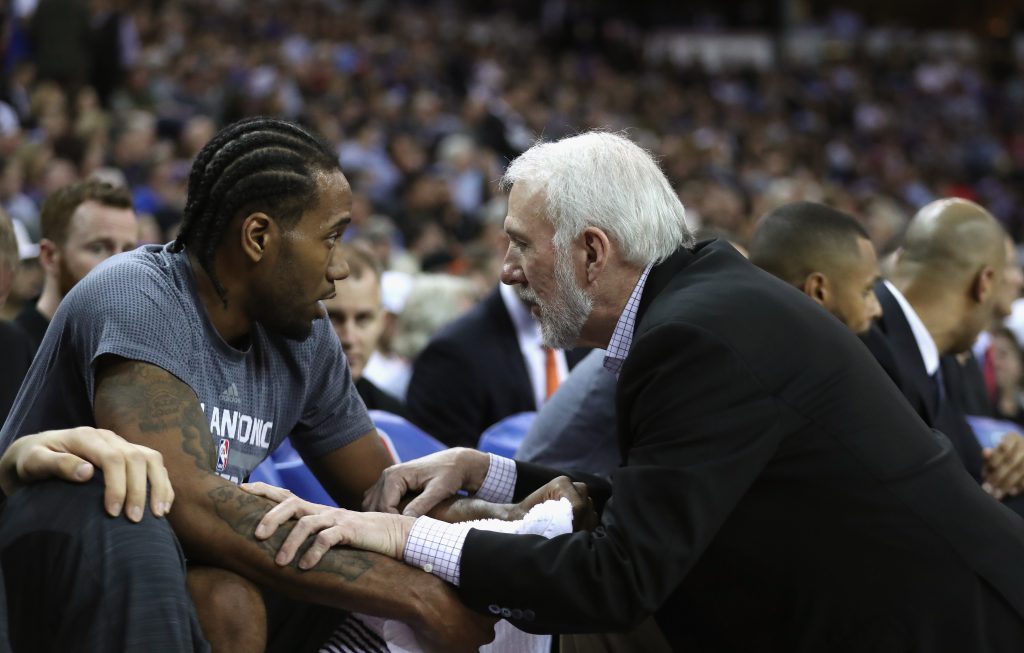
[257, 162]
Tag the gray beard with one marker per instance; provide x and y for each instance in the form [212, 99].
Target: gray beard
[562, 320]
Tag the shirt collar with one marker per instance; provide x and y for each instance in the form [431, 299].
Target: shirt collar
[925, 342]
[522, 319]
[622, 336]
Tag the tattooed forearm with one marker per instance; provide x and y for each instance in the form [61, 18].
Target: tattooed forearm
[132, 392]
[243, 512]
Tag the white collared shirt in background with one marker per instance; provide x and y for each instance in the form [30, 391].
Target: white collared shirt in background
[528, 335]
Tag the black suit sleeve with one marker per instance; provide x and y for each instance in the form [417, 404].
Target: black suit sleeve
[443, 398]
[702, 428]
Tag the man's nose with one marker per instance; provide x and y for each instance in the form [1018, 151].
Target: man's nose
[337, 269]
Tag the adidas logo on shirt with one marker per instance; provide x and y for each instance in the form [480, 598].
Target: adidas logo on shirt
[230, 395]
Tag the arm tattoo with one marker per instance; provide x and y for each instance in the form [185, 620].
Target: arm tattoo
[157, 402]
[243, 512]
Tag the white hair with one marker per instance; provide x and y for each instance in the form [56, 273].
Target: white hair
[604, 180]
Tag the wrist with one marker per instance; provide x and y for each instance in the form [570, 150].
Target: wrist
[405, 525]
[475, 465]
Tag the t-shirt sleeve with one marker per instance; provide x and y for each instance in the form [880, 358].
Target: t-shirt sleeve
[334, 414]
[130, 310]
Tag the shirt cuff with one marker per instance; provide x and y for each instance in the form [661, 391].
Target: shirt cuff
[500, 483]
[436, 547]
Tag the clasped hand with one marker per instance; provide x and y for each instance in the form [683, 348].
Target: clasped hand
[1004, 467]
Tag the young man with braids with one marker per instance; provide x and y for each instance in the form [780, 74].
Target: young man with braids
[210, 350]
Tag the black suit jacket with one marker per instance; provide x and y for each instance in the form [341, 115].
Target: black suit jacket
[778, 494]
[377, 399]
[891, 337]
[471, 375]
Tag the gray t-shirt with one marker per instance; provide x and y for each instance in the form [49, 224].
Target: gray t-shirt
[143, 306]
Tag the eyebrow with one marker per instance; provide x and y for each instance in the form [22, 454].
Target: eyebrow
[515, 233]
[342, 221]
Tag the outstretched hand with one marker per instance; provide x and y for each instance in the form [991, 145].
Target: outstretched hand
[74, 454]
[381, 533]
[436, 477]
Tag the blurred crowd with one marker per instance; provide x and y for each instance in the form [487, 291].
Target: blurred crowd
[426, 102]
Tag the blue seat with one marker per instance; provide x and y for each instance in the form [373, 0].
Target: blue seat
[285, 468]
[266, 473]
[407, 440]
[504, 437]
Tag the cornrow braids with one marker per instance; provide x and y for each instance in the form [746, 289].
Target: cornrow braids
[254, 164]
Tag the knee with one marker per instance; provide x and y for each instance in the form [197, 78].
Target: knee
[230, 609]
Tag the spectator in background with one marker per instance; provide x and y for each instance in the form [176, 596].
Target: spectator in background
[16, 347]
[1008, 368]
[357, 316]
[486, 365]
[433, 301]
[825, 254]
[83, 225]
[943, 290]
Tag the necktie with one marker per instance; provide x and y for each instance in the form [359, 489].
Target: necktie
[550, 372]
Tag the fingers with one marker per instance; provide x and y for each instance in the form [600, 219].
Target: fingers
[581, 489]
[322, 543]
[135, 474]
[393, 486]
[291, 508]
[110, 458]
[434, 493]
[320, 523]
[161, 494]
[1005, 468]
[267, 491]
[127, 470]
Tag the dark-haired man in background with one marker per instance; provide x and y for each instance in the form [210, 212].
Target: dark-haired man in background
[83, 225]
[210, 350]
[824, 253]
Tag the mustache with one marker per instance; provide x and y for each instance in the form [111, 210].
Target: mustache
[527, 295]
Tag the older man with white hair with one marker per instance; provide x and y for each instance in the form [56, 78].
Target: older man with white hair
[778, 493]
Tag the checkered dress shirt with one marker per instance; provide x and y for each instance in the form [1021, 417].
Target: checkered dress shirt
[622, 336]
[436, 546]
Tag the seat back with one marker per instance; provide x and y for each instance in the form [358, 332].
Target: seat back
[504, 436]
[407, 440]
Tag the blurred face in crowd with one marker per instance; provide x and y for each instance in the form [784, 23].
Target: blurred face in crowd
[852, 298]
[303, 269]
[1006, 361]
[1012, 281]
[543, 276]
[95, 233]
[358, 318]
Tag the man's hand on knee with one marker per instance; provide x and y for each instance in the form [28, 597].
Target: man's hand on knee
[75, 454]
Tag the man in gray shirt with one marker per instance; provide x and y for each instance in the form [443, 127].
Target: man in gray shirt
[211, 350]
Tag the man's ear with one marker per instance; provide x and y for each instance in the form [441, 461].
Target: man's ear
[984, 284]
[597, 249]
[259, 233]
[817, 287]
[49, 256]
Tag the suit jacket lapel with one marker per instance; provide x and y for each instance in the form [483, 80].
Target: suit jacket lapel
[905, 350]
